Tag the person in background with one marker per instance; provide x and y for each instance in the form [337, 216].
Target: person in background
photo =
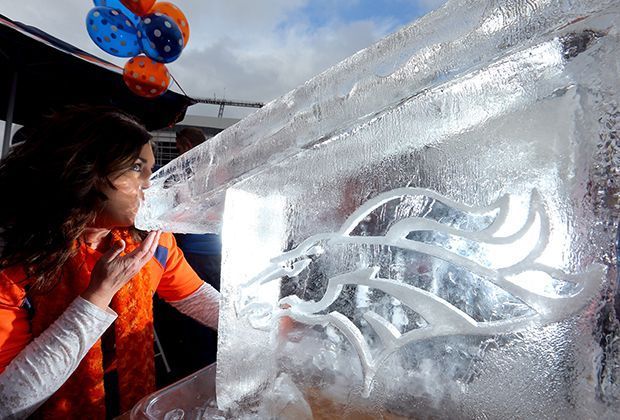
[76, 277]
[189, 137]
[179, 334]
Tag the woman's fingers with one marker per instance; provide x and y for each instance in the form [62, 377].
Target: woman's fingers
[144, 246]
[154, 245]
[148, 254]
[141, 255]
[114, 251]
[112, 272]
[148, 242]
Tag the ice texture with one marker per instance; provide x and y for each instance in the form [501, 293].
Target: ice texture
[425, 230]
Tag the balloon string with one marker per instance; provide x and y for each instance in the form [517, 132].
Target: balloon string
[178, 84]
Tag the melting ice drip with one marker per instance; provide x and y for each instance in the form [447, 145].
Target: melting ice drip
[513, 271]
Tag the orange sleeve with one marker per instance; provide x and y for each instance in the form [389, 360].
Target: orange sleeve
[179, 279]
[14, 321]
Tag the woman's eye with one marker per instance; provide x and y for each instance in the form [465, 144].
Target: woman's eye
[137, 167]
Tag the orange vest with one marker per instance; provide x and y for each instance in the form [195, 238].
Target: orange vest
[167, 272]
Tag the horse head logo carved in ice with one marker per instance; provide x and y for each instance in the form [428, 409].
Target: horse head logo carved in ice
[511, 265]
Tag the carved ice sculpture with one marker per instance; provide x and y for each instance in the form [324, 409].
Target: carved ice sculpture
[426, 230]
[442, 317]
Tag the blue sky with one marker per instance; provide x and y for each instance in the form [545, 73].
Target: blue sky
[324, 12]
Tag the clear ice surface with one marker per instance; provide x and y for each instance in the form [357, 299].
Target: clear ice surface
[425, 230]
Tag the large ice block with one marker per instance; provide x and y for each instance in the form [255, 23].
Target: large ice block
[427, 229]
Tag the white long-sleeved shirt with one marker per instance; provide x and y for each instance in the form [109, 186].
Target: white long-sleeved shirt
[41, 368]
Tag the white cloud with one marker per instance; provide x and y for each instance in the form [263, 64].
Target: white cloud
[239, 49]
[242, 50]
[266, 68]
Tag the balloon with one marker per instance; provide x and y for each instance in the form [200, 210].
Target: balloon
[113, 32]
[175, 14]
[116, 4]
[146, 77]
[161, 38]
[139, 7]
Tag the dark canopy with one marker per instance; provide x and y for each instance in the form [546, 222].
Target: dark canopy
[52, 73]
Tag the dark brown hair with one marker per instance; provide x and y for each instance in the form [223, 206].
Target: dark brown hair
[51, 185]
[193, 135]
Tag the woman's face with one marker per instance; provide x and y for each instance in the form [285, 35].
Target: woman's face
[123, 202]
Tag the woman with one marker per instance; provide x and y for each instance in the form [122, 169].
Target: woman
[72, 265]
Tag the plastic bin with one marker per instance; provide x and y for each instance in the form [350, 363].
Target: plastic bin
[190, 398]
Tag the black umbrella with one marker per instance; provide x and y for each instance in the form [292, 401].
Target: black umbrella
[39, 73]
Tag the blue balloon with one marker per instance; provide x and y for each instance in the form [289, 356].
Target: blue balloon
[113, 32]
[118, 5]
[161, 37]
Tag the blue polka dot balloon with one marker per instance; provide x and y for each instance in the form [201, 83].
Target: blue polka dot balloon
[113, 32]
[118, 5]
[161, 37]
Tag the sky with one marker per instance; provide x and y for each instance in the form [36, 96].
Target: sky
[245, 50]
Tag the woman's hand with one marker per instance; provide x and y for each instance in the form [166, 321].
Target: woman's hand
[113, 271]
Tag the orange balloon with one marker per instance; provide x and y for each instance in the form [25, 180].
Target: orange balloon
[146, 77]
[139, 7]
[175, 14]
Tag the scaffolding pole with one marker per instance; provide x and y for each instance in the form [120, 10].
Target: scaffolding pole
[227, 102]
